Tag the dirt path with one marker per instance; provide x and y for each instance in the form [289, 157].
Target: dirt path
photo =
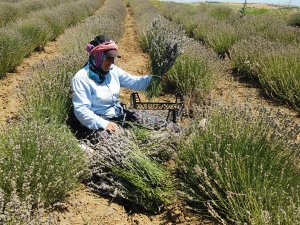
[133, 60]
[10, 103]
[234, 93]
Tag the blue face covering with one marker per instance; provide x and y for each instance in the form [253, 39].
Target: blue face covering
[98, 74]
[95, 77]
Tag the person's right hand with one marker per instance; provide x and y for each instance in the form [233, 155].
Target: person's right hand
[112, 127]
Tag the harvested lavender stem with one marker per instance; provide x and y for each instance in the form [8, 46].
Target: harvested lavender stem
[109, 153]
[119, 168]
[163, 45]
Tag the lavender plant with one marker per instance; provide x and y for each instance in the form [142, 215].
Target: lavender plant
[231, 28]
[282, 33]
[273, 65]
[239, 168]
[12, 11]
[279, 74]
[206, 26]
[246, 55]
[40, 175]
[270, 27]
[221, 38]
[194, 74]
[47, 94]
[175, 12]
[294, 19]
[109, 21]
[221, 12]
[9, 41]
[202, 27]
[161, 145]
[35, 34]
[39, 163]
[145, 15]
[194, 21]
[8, 12]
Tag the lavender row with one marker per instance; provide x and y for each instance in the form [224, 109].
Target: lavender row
[46, 158]
[20, 39]
[275, 68]
[12, 11]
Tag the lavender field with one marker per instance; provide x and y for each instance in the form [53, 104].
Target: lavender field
[236, 157]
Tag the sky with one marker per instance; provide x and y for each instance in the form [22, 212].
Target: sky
[279, 2]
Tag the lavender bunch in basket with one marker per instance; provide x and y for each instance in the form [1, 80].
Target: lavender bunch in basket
[163, 44]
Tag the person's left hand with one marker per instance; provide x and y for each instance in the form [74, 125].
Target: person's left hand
[112, 127]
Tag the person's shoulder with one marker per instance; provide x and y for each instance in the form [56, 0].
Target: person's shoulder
[113, 67]
[116, 70]
[81, 74]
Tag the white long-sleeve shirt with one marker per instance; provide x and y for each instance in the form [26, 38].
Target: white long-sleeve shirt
[91, 100]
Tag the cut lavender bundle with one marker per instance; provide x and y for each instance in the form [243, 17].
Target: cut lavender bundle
[109, 153]
[163, 45]
[119, 169]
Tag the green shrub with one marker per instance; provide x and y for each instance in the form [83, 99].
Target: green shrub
[193, 75]
[56, 24]
[270, 27]
[221, 38]
[256, 11]
[12, 11]
[145, 14]
[48, 94]
[10, 41]
[39, 163]
[141, 134]
[7, 13]
[34, 34]
[294, 19]
[203, 27]
[279, 74]
[275, 66]
[185, 15]
[246, 55]
[237, 168]
[79, 36]
[188, 23]
[251, 25]
[282, 34]
[221, 12]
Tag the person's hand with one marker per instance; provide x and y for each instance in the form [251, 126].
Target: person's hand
[112, 127]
